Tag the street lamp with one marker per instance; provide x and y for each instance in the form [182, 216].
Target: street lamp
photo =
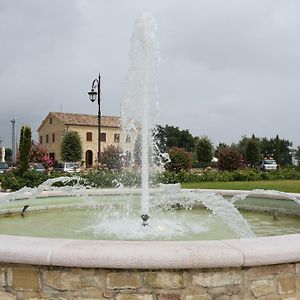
[93, 95]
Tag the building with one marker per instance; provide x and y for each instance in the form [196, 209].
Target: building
[55, 124]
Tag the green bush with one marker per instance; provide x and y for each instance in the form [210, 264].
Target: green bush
[180, 160]
[229, 159]
[15, 181]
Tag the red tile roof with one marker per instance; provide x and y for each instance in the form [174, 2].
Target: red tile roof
[87, 120]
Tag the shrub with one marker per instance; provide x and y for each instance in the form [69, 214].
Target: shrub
[180, 160]
[111, 158]
[229, 159]
[204, 150]
[15, 181]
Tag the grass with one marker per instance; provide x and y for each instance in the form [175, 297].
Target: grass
[291, 186]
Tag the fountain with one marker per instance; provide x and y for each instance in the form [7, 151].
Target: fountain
[161, 257]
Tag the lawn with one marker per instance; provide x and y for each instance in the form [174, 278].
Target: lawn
[291, 186]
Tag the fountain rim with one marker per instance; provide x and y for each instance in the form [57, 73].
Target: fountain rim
[152, 254]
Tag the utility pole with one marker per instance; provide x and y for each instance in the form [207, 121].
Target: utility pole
[13, 140]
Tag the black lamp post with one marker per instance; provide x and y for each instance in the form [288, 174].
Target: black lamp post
[93, 95]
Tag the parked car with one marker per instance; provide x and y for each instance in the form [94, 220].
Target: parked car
[37, 167]
[3, 167]
[267, 165]
[68, 167]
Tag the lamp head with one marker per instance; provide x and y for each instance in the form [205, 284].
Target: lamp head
[92, 95]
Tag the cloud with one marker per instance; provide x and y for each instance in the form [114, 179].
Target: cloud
[228, 68]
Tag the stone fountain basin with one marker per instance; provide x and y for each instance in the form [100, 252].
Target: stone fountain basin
[47, 268]
[152, 254]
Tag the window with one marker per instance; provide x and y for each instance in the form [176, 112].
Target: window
[50, 120]
[117, 138]
[47, 138]
[53, 137]
[103, 137]
[128, 139]
[89, 136]
[41, 139]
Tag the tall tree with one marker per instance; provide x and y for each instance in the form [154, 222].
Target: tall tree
[24, 149]
[277, 150]
[71, 147]
[252, 151]
[204, 150]
[169, 137]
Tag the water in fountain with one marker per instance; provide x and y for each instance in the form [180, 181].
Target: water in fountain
[141, 103]
[244, 195]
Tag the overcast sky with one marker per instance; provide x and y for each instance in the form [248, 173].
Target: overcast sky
[228, 68]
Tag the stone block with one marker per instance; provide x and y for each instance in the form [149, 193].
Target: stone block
[62, 280]
[287, 285]
[217, 278]
[7, 296]
[108, 294]
[270, 270]
[223, 297]
[24, 278]
[91, 293]
[168, 297]
[2, 276]
[262, 287]
[164, 280]
[134, 297]
[225, 290]
[198, 297]
[123, 280]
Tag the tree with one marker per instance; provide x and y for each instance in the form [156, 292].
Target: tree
[204, 150]
[137, 151]
[229, 159]
[297, 155]
[277, 150]
[37, 152]
[24, 149]
[180, 160]
[8, 154]
[111, 158]
[169, 137]
[219, 147]
[252, 152]
[71, 147]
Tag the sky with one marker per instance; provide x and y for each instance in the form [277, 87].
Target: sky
[227, 69]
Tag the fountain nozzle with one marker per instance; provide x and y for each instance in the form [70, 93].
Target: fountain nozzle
[145, 218]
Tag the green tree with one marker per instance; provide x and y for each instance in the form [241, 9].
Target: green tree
[277, 155]
[179, 160]
[137, 151]
[71, 147]
[111, 158]
[204, 150]
[169, 137]
[24, 149]
[252, 152]
[229, 159]
[8, 154]
[297, 155]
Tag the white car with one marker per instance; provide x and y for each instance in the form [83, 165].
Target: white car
[268, 165]
[69, 167]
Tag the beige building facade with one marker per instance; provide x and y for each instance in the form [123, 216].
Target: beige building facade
[54, 126]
